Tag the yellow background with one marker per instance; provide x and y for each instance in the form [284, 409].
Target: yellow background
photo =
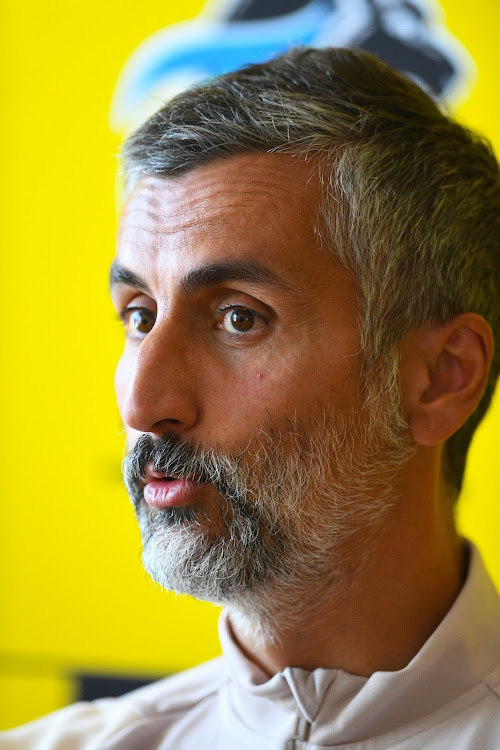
[74, 598]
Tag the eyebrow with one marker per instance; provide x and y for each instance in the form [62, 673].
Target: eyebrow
[119, 275]
[207, 276]
[248, 271]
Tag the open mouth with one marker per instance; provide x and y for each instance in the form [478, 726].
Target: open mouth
[168, 490]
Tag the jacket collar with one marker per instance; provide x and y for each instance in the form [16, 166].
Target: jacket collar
[459, 654]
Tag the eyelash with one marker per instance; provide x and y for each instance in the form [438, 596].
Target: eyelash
[221, 310]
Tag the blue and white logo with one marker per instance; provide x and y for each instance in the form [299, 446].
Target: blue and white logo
[410, 35]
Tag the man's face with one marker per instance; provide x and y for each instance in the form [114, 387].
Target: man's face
[239, 382]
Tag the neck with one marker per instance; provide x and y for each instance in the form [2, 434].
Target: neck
[408, 575]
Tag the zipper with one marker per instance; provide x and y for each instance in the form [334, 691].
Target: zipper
[301, 731]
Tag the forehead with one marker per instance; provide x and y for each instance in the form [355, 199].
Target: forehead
[251, 204]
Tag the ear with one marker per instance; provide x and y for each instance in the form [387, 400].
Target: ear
[444, 369]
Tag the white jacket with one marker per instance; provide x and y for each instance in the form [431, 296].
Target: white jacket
[447, 698]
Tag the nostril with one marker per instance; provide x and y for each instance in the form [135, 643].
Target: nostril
[166, 422]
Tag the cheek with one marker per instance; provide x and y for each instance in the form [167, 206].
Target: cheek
[262, 390]
[246, 393]
[260, 382]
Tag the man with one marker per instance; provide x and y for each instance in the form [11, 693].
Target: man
[307, 272]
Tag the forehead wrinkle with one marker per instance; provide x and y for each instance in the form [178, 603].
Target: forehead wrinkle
[211, 218]
[270, 198]
[203, 198]
[164, 201]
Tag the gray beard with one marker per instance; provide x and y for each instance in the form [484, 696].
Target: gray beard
[287, 504]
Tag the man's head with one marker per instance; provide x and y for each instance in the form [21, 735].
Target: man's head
[291, 230]
[410, 199]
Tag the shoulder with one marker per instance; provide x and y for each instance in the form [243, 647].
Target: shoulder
[473, 720]
[181, 691]
[87, 726]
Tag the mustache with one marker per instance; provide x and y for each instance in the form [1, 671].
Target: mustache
[184, 459]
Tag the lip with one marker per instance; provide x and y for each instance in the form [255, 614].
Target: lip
[175, 492]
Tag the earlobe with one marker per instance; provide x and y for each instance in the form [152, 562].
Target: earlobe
[444, 369]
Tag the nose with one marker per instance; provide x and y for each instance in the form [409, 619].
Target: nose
[154, 384]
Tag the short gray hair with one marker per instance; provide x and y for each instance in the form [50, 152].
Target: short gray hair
[411, 198]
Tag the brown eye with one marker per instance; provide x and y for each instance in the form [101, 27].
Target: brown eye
[238, 320]
[138, 321]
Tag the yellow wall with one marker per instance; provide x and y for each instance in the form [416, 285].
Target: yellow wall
[73, 595]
